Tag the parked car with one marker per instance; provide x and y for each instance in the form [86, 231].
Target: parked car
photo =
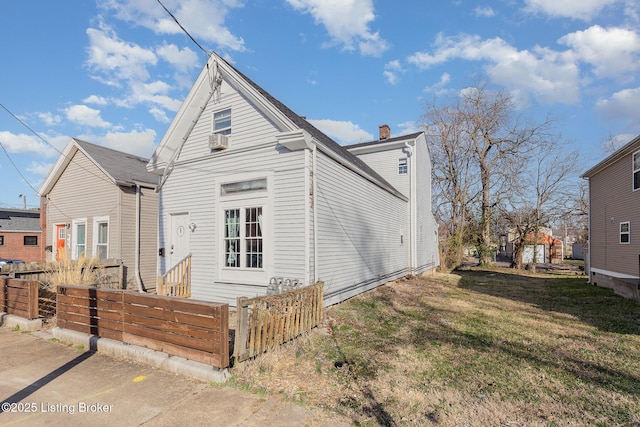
[4, 261]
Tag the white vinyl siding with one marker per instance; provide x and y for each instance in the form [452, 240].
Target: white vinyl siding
[359, 223]
[427, 255]
[194, 187]
[249, 127]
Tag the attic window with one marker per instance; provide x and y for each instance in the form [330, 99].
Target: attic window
[402, 166]
[636, 170]
[222, 122]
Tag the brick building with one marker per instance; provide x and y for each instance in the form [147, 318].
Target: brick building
[20, 235]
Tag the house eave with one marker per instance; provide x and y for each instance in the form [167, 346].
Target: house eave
[630, 147]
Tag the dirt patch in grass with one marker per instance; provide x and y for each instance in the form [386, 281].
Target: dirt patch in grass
[477, 347]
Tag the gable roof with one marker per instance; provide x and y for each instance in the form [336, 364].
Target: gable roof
[630, 147]
[282, 116]
[119, 167]
[19, 220]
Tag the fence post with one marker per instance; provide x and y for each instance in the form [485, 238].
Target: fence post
[240, 343]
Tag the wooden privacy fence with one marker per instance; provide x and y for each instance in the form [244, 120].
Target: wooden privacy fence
[19, 297]
[266, 322]
[177, 281]
[195, 330]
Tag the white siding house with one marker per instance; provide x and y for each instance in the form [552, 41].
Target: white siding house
[253, 191]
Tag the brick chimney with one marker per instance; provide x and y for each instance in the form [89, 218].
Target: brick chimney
[385, 132]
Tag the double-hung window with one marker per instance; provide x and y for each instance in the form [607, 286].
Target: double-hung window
[402, 166]
[101, 237]
[222, 122]
[1, 240]
[625, 233]
[636, 170]
[79, 238]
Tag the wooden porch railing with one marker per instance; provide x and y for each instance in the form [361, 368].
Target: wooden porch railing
[177, 281]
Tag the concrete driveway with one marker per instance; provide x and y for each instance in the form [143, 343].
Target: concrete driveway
[43, 382]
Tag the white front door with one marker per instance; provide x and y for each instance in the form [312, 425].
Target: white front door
[179, 246]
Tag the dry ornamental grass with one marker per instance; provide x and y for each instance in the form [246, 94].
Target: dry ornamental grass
[477, 347]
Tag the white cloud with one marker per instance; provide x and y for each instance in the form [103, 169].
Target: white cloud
[407, 128]
[577, 9]
[439, 88]
[391, 71]
[203, 19]
[159, 115]
[484, 11]
[140, 143]
[623, 105]
[341, 131]
[21, 143]
[155, 93]
[49, 119]
[115, 60]
[39, 168]
[613, 52]
[86, 116]
[347, 23]
[548, 75]
[182, 59]
[96, 100]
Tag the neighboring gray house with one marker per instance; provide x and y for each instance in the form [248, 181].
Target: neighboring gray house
[614, 220]
[100, 202]
[254, 191]
[20, 235]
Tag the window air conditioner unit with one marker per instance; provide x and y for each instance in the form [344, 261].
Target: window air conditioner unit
[218, 141]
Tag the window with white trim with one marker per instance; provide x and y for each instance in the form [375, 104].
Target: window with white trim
[245, 234]
[101, 237]
[402, 166]
[1, 240]
[79, 238]
[222, 122]
[636, 170]
[625, 233]
[243, 246]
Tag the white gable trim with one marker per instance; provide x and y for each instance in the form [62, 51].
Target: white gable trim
[194, 104]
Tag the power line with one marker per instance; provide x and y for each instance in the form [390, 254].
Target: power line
[46, 142]
[17, 169]
[183, 29]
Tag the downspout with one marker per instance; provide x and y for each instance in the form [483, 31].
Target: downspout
[315, 214]
[307, 216]
[137, 249]
[411, 203]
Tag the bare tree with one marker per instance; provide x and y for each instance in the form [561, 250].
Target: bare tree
[454, 179]
[544, 196]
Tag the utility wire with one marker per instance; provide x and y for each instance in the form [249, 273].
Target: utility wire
[183, 29]
[49, 144]
[17, 169]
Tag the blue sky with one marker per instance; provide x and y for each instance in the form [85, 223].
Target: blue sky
[113, 72]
